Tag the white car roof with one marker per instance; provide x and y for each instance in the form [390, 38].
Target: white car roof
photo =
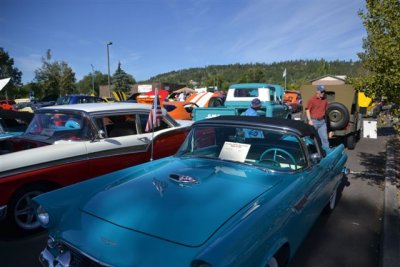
[96, 107]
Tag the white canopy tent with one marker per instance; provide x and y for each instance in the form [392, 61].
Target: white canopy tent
[3, 83]
[185, 90]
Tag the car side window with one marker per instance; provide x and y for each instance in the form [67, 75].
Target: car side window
[272, 94]
[311, 146]
[117, 125]
[310, 143]
[103, 123]
[143, 121]
[246, 92]
[84, 100]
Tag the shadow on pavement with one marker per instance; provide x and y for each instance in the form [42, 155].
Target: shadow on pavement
[374, 167]
[386, 131]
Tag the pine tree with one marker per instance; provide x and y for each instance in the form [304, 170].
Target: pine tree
[121, 80]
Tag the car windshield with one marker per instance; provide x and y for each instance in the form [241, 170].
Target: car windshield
[63, 100]
[260, 147]
[54, 126]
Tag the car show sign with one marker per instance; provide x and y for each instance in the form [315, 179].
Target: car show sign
[144, 88]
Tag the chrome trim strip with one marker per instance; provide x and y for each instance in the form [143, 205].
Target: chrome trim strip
[119, 151]
[91, 156]
[250, 210]
[68, 245]
[299, 205]
[46, 258]
[42, 165]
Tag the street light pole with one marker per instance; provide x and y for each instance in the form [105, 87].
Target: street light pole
[108, 64]
[92, 78]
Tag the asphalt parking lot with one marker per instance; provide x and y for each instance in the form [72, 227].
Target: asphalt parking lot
[350, 236]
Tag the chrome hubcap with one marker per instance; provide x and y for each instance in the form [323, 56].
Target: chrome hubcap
[24, 212]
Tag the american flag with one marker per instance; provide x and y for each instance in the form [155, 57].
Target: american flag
[154, 121]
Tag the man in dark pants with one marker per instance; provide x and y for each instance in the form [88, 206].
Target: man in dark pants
[315, 111]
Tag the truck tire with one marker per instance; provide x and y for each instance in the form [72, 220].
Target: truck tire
[351, 141]
[338, 116]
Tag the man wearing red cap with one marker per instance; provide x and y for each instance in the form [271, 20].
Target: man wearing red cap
[315, 111]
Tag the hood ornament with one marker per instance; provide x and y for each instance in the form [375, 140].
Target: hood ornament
[160, 186]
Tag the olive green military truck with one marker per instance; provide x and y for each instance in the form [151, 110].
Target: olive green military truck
[343, 115]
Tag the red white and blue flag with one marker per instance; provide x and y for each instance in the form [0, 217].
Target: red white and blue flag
[154, 120]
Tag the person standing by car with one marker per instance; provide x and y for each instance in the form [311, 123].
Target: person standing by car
[315, 111]
[252, 110]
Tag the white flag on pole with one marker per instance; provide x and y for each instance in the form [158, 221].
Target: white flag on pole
[284, 73]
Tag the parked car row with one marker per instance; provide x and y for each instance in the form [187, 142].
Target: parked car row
[31, 105]
[7, 104]
[293, 99]
[183, 109]
[180, 194]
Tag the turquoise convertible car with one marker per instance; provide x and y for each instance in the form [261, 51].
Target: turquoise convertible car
[241, 191]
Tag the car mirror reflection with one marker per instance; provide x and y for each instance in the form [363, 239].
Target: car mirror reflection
[315, 158]
[101, 134]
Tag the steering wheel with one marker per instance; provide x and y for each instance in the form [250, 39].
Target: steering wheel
[279, 156]
[189, 107]
[192, 103]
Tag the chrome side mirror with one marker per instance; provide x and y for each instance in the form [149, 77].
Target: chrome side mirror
[346, 171]
[315, 158]
[101, 134]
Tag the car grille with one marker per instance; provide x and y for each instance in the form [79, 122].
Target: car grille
[80, 260]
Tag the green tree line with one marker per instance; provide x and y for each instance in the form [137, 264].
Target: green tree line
[298, 72]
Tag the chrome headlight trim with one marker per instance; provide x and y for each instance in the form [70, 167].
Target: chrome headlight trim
[43, 216]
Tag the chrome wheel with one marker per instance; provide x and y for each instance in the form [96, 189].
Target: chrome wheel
[24, 211]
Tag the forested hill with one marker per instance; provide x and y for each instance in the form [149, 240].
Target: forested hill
[297, 72]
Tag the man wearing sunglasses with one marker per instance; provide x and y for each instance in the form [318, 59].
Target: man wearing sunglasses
[315, 111]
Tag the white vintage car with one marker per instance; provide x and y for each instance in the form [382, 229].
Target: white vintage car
[71, 143]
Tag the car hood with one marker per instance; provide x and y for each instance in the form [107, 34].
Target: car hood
[156, 203]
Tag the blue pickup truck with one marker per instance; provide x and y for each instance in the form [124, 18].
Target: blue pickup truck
[239, 98]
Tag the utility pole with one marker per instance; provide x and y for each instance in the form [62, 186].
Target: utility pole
[92, 79]
[108, 64]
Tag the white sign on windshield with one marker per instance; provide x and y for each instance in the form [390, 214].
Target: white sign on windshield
[234, 151]
[144, 88]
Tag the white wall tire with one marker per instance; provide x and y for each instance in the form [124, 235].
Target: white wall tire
[332, 201]
[272, 262]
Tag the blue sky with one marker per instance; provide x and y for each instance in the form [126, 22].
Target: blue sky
[157, 36]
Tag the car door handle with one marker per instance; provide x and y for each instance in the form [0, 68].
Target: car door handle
[300, 203]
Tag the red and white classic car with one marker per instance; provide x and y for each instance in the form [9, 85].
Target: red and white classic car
[68, 144]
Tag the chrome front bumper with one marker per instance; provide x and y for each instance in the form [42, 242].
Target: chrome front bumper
[60, 254]
[3, 212]
[47, 259]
